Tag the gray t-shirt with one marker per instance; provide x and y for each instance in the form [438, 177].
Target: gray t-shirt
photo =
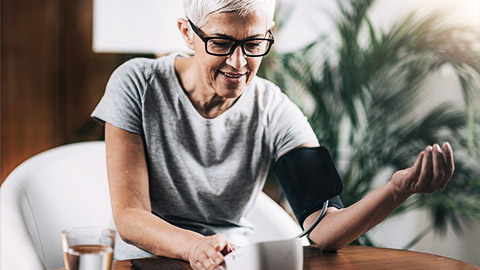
[204, 174]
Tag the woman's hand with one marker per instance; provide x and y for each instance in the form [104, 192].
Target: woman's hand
[431, 171]
[208, 252]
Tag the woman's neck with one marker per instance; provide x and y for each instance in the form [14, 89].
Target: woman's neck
[203, 97]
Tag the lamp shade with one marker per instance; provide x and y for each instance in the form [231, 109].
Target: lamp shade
[137, 26]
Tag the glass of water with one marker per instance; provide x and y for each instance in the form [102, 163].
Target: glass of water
[88, 248]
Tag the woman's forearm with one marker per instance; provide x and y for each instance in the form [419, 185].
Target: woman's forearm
[340, 227]
[152, 234]
[431, 171]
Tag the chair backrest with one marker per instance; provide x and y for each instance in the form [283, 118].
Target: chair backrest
[67, 187]
[60, 188]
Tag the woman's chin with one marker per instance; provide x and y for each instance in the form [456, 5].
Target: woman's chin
[230, 93]
[228, 90]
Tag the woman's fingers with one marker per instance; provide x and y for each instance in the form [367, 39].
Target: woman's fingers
[416, 169]
[206, 254]
[219, 242]
[438, 170]
[431, 171]
[449, 163]
[425, 175]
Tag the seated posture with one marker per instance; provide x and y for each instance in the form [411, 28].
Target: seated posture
[190, 139]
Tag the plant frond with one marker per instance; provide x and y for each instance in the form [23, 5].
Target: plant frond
[373, 93]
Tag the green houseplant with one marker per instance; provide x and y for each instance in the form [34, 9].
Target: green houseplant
[371, 93]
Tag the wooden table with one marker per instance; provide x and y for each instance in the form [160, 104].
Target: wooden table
[359, 257]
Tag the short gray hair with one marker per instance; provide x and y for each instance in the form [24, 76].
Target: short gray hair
[198, 10]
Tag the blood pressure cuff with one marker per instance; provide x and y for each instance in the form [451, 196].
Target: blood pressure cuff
[308, 177]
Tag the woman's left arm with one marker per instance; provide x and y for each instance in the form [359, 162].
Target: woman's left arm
[431, 171]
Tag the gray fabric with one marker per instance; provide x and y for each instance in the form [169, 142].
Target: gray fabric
[204, 174]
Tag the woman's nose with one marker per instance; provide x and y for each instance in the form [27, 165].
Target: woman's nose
[237, 59]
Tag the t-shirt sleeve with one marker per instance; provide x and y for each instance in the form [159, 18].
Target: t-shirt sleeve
[121, 105]
[288, 125]
[336, 202]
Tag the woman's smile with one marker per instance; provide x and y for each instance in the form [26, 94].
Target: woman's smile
[233, 77]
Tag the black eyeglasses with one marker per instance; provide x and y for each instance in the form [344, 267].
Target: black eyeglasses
[223, 46]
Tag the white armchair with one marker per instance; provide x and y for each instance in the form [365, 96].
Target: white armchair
[67, 187]
[58, 189]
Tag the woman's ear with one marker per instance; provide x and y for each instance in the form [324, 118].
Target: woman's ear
[185, 31]
[272, 25]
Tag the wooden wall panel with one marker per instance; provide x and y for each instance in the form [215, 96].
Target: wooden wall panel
[86, 72]
[28, 80]
[50, 78]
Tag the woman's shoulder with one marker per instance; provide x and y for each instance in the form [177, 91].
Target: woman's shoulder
[147, 65]
[266, 88]
[132, 69]
[137, 63]
[267, 92]
[142, 70]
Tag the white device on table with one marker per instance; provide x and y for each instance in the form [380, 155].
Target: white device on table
[272, 255]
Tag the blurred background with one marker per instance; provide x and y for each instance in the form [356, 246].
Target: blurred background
[379, 80]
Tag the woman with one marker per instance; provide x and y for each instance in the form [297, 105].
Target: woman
[190, 138]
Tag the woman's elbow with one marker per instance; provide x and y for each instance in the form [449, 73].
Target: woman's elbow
[329, 245]
[122, 223]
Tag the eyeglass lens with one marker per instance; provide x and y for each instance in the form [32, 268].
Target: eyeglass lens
[223, 46]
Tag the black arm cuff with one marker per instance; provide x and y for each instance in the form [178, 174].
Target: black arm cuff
[308, 177]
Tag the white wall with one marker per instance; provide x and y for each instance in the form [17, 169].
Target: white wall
[312, 17]
[140, 26]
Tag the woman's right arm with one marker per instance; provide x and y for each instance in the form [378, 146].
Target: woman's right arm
[128, 182]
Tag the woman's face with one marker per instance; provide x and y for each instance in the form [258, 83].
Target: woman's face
[228, 76]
